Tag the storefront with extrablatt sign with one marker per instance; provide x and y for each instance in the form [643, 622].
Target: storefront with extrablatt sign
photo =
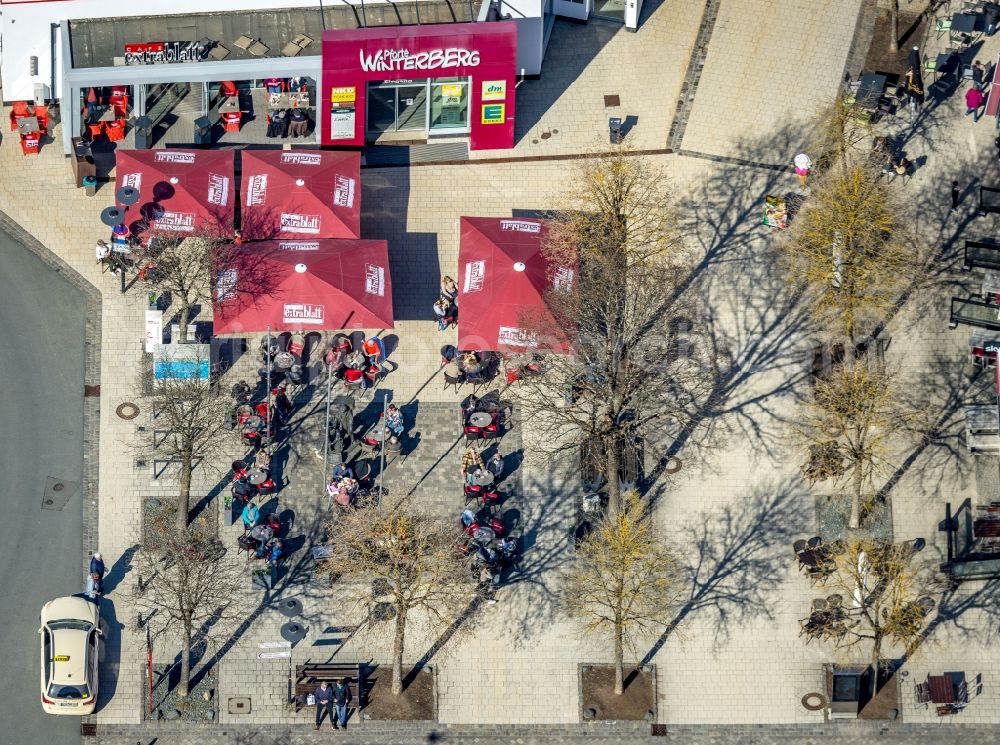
[448, 80]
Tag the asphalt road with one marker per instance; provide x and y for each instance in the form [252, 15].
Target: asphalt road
[41, 410]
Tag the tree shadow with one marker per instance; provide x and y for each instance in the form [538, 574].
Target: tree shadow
[121, 567]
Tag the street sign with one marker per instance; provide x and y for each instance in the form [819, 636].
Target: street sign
[273, 655]
[275, 645]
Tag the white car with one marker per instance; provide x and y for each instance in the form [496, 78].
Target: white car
[70, 640]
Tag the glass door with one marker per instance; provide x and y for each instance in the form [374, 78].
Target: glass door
[411, 107]
[381, 108]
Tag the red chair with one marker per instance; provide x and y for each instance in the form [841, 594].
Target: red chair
[231, 122]
[228, 88]
[115, 130]
[29, 143]
[120, 104]
[18, 110]
[42, 114]
[95, 129]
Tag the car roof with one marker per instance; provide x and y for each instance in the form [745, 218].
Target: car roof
[72, 606]
[71, 643]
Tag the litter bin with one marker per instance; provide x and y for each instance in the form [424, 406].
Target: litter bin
[143, 131]
[202, 131]
[83, 161]
[615, 130]
[90, 184]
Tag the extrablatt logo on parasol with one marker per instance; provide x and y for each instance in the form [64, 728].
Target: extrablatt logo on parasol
[225, 284]
[512, 336]
[375, 280]
[133, 179]
[302, 313]
[295, 223]
[176, 222]
[302, 159]
[218, 189]
[257, 190]
[343, 191]
[521, 226]
[173, 156]
[475, 273]
[298, 246]
[562, 279]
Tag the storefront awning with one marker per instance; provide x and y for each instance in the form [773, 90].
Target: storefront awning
[181, 192]
[316, 285]
[503, 279]
[299, 194]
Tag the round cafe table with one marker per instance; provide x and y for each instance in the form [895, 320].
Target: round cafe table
[377, 433]
[262, 533]
[256, 476]
[483, 478]
[284, 360]
[484, 535]
[480, 419]
[254, 422]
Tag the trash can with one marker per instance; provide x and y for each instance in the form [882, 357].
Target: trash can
[143, 131]
[90, 184]
[82, 160]
[202, 131]
[615, 130]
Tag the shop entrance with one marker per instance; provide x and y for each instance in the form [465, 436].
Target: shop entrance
[169, 104]
[397, 106]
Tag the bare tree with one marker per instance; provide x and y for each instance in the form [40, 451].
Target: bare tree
[623, 581]
[192, 589]
[406, 559]
[855, 415]
[842, 135]
[850, 249]
[203, 268]
[885, 599]
[634, 371]
[190, 427]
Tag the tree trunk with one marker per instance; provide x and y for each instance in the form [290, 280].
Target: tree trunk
[855, 521]
[894, 25]
[185, 309]
[397, 652]
[612, 461]
[619, 662]
[184, 495]
[185, 682]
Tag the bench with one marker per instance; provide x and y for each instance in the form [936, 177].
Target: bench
[974, 312]
[981, 254]
[309, 675]
[963, 570]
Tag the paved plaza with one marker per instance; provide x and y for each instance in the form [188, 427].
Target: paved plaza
[744, 76]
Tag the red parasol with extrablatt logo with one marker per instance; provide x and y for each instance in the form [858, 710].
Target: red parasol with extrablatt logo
[503, 278]
[326, 284]
[181, 192]
[300, 194]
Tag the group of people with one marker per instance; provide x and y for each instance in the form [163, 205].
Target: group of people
[446, 306]
[336, 698]
[893, 161]
[343, 487]
[273, 548]
[473, 466]
[975, 98]
[95, 578]
[361, 366]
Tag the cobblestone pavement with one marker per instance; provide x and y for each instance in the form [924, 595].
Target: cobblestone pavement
[735, 506]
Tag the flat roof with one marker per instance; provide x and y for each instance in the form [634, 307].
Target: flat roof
[95, 42]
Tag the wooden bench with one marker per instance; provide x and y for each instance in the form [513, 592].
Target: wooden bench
[974, 312]
[981, 254]
[311, 674]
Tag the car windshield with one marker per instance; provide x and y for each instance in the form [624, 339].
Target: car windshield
[70, 623]
[62, 690]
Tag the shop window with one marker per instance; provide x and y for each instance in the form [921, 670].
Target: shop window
[449, 103]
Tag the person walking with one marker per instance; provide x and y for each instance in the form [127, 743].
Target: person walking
[97, 566]
[341, 698]
[324, 701]
[973, 102]
[955, 195]
[94, 589]
[978, 75]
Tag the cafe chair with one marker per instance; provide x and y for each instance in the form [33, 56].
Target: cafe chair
[115, 130]
[95, 130]
[477, 379]
[472, 433]
[42, 115]
[942, 27]
[120, 104]
[455, 382]
[18, 110]
[472, 492]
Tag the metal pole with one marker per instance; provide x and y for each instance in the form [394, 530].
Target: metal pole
[381, 467]
[326, 433]
[149, 666]
[267, 424]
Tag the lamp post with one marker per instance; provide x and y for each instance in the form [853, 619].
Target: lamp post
[114, 218]
[993, 347]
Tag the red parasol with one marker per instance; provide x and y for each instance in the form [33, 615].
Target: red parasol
[298, 194]
[323, 284]
[503, 278]
[181, 191]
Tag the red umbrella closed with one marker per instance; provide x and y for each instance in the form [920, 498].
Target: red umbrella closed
[300, 194]
[502, 281]
[313, 285]
[180, 191]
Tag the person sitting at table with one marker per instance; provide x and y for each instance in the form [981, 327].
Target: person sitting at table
[394, 420]
[471, 363]
[250, 515]
[262, 460]
[297, 85]
[468, 519]
[353, 375]
[274, 85]
[343, 491]
[449, 290]
[340, 471]
[469, 459]
[239, 470]
[495, 466]
[374, 348]
[444, 312]
[92, 102]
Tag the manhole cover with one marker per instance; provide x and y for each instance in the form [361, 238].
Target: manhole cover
[610, 101]
[239, 705]
[57, 493]
[814, 701]
[127, 410]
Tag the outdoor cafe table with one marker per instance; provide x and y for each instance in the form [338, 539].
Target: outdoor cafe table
[256, 476]
[942, 689]
[287, 100]
[480, 419]
[230, 105]
[108, 115]
[262, 533]
[947, 63]
[284, 360]
[27, 125]
[481, 478]
[253, 423]
[484, 535]
[871, 88]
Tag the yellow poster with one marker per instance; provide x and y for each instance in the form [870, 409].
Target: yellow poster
[452, 90]
[494, 90]
[493, 113]
[342, 95]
